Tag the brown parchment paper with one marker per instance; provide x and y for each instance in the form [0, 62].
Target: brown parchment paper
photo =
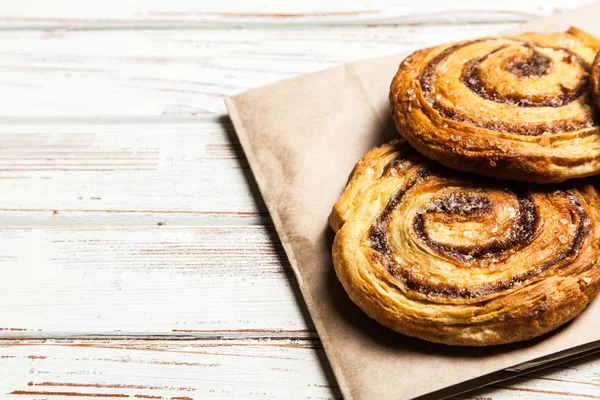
[302, 137]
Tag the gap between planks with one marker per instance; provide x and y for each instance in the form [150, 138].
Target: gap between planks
[260, 23]
[116, 120]
[186, 335]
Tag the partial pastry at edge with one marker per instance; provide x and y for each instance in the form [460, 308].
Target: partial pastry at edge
[506, 107]
[443, 256]
[595, 80]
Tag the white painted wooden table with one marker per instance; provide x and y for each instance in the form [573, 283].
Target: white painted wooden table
[137, 259]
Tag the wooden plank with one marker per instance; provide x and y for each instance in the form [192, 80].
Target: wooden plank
[130, 281]
[189, 13]
[204, 369]
[217, 368]
[183, 73]
[125, 173]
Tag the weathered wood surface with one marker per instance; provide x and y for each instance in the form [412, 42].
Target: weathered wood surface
[137, 258]
[210, 14]
[222, 369]
[133, 173]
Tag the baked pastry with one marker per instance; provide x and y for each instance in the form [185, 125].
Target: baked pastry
[595, 80]
[450, 258]
[506, 107]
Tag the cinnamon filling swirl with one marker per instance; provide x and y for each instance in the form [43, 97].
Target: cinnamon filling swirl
[463, 206]
[529, 64]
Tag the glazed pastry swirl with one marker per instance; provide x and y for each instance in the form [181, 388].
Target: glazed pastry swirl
[445, 257]
[507, 107]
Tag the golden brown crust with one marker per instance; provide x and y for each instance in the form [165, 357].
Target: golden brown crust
[449, 258]
[595, 80]
[506, 107]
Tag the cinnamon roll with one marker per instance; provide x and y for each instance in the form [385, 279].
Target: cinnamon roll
[448, 257]
[506, 107]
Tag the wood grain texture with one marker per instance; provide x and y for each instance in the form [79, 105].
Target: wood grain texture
[201, 369]
[273, 13]
[125, 173]
[222, 369]
[160, 280]
[182, 73]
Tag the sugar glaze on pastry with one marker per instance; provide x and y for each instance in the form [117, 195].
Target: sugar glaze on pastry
[452, 258]
[507, 107]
